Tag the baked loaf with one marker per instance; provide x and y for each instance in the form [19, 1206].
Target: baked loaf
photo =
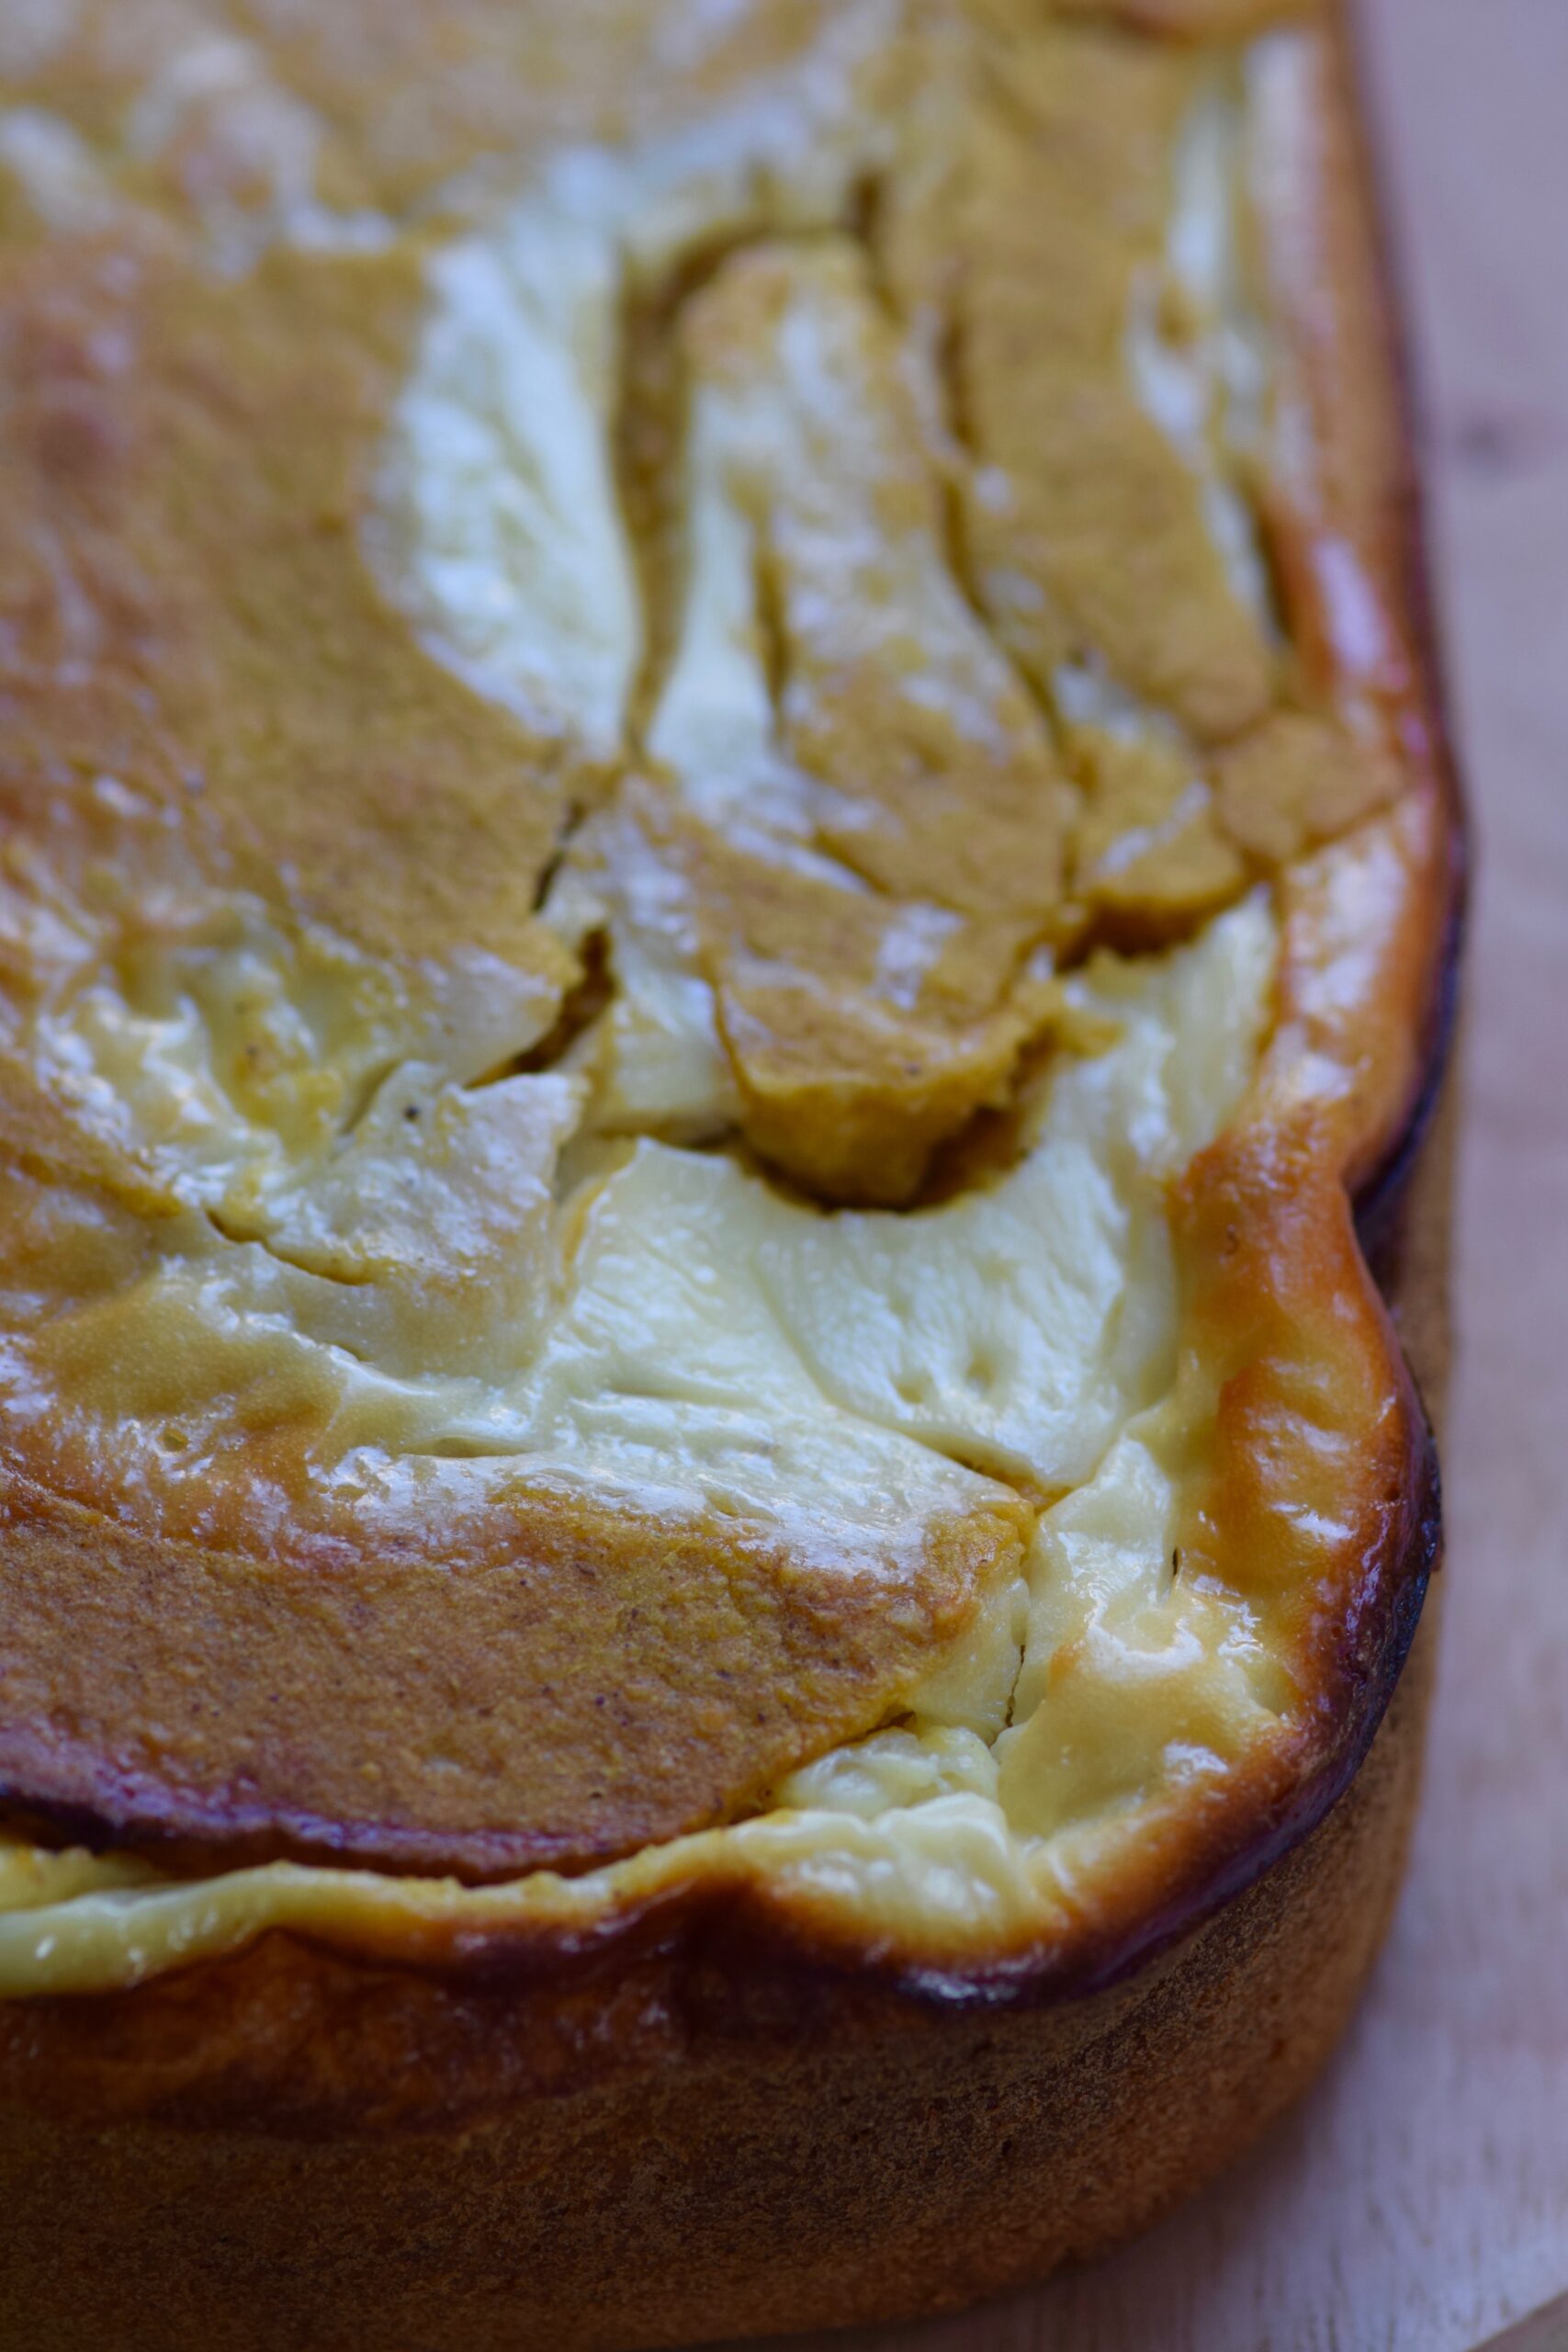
[724, 855]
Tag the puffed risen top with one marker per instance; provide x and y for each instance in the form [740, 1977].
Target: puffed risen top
[684, 720]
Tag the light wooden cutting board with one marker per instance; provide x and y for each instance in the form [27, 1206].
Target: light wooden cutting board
[1419, 2201]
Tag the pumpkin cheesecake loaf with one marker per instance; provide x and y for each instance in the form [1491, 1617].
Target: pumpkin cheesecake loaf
[725, 860]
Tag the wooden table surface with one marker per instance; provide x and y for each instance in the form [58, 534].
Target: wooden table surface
[1418, 2202]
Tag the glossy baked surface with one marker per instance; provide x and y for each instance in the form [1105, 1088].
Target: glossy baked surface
[719, 848]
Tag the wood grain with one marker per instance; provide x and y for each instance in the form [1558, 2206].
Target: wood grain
[1418, 2202]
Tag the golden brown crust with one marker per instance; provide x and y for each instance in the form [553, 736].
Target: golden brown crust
[1103, 515]
[789, 2131]
[286, 688]
[156, 424]
[1363, 932]
[507, 1673]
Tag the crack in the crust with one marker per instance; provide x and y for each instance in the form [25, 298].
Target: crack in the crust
[981, 1462]
[864, 225]
[364, 1093]
[644, 435]
[1008, 1712]
[1268, 536]
[230, 1229]
[995, 1139]
[569, 825]
[772, 639]
[580, 1007]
